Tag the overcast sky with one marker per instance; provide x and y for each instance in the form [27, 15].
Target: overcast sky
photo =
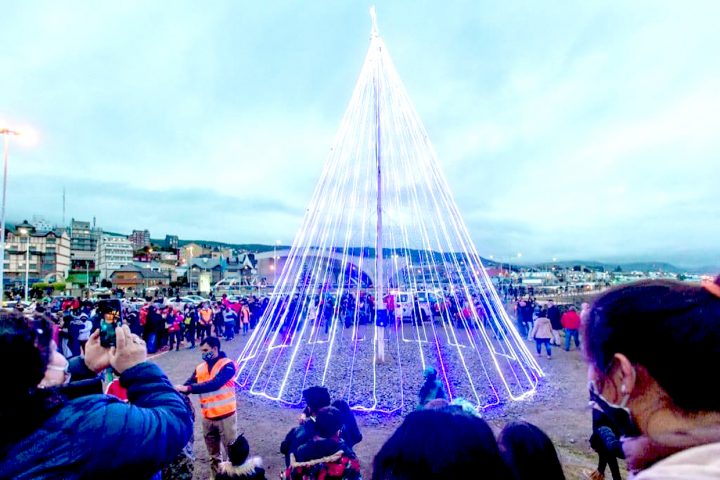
[566, 129]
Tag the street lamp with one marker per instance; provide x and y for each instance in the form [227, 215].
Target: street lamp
[24, 232]
[87, 275]
[5, 132]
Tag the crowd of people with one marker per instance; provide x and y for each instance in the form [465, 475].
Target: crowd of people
[164, 324]
[545, 324]
[656, 410]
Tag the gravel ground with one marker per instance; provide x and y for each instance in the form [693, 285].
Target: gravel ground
[559, 407]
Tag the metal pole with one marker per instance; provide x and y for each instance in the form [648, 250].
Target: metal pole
[6, 149]
[380, 310]
[27, 266]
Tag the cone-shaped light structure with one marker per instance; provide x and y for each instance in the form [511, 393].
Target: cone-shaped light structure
[382, 279]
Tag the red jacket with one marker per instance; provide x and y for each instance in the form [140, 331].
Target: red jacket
[570, 320]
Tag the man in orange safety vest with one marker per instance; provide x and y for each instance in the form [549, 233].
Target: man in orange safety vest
[214, 382]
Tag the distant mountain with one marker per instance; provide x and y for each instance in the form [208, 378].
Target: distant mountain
[252, 247]
[643, 266]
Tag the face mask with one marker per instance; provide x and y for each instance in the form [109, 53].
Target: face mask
[207, 356]
[618, 414]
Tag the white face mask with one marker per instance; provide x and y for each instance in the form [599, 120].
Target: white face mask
[620, 414]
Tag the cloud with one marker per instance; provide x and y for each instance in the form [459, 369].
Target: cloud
[564, 130]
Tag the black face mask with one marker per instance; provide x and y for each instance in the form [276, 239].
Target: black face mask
[618, 414]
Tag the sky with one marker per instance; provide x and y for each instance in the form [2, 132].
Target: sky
[567, 130]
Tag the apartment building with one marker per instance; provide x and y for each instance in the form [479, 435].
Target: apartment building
[48, 253]
[114, 252]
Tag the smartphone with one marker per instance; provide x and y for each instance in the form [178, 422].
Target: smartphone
[110, 312]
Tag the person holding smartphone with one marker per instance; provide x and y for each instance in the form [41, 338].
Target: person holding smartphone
[108, 438]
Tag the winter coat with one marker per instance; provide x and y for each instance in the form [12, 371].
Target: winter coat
[542, 329]
[251, 470]
[297, 437]
[324, 458]
[570, 320]
[99, 436]
[553, 313]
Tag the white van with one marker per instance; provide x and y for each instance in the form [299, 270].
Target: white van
[404, 304]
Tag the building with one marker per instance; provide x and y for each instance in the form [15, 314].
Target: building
[167, 270]
[190, 251]
[139, 239]
[242, 267]
[114, 252]
[41, 224]
[49, 255]
[221, 252]
[172, 242]
[82, 236]
[168, 257]
[83, 246]
[136, 280]
[211, 269]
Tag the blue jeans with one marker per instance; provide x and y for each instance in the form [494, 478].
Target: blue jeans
[538, 345]
[151, 346]
[571, 332]
[229, 331]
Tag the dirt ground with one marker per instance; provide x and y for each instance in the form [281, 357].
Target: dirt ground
[559, 407]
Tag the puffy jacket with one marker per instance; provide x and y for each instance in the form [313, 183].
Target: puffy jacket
[99, 436]
[542, 329]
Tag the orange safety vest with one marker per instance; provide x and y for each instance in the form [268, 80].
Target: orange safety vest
[205, 316]
[221, 402]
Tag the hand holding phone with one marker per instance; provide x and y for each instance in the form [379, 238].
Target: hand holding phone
[97, 358]
[110, 312]
[130, 350]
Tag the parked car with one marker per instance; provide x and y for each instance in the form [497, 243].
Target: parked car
[13, 303]
[195, 299]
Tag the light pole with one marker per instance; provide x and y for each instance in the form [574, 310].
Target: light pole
[5, 132]
[275, 261]
[24, 232]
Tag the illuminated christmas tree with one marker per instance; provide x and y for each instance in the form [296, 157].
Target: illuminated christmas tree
[382, 279]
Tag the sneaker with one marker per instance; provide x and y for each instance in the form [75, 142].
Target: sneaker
[549, 357]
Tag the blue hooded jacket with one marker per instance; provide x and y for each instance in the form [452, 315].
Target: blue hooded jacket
[100, 436]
